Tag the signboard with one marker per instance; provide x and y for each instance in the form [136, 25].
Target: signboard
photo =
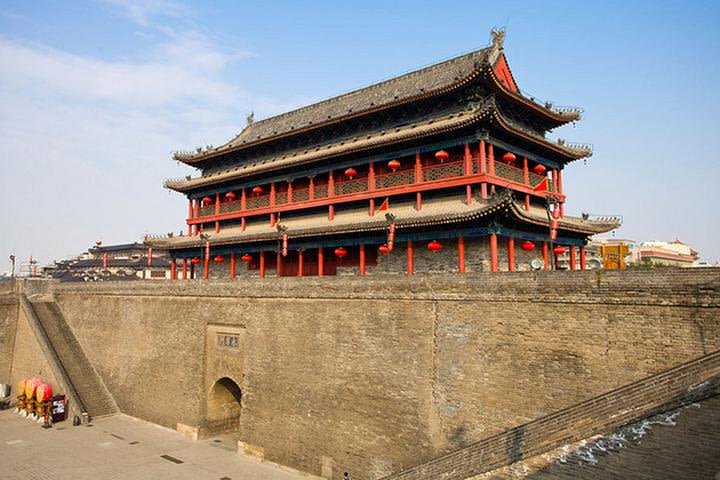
[59, 408]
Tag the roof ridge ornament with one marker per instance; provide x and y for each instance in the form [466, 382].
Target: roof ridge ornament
[250, 118]
[497, 36]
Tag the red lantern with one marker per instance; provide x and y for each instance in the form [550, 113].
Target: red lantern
[195, 260]
[434, 246]
[509, 158]
[539, 169]
[528, 246]
[394, 165]
[384, 249]
[340, 252]
[442, 155]
[98, 243]
[257, 190]
[219, 259]
[351, 172]
[206, 201]
[246, 258]
[230, 196]
[559, 250]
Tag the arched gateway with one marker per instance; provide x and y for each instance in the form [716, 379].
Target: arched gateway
[224, 406]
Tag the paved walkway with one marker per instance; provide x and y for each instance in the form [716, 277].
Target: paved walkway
[120, 447]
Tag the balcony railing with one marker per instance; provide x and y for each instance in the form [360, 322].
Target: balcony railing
[384, 184]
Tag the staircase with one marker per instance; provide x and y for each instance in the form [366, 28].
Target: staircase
[682, 385]
[94, 398]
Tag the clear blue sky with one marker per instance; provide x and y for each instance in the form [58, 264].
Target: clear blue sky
[95, 95]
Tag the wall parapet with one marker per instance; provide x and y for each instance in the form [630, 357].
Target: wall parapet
[681, 287]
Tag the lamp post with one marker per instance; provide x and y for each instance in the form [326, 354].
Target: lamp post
[551, 201]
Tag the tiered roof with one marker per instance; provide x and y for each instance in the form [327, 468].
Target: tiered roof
[434, 212]
[427, 82]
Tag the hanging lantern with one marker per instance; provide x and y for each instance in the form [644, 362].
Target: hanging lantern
[539, 169]
[284, 245]
[219, 259]
[441, 155]
[230, 196]
[394, 165]
[98, 243]
[509, 158]
[383, 249]
[528, 246]
[206, 201]
[257, 190]
[434, 246]
[246, 258]
[351, 173]
[340, 252]
[195, 260]
[559, 250]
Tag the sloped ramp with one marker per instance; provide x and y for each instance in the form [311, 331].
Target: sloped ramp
[67, 357]
[683, 385]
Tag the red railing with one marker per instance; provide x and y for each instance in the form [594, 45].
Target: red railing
[453, 169]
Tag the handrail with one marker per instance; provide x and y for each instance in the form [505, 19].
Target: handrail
[262, 201]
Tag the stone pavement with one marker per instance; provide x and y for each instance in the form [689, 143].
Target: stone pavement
[121, 447]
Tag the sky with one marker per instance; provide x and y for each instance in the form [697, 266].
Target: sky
[95, 95]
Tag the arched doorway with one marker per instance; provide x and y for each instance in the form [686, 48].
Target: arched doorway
[224, 405]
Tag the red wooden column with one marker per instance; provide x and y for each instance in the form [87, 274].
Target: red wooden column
[300, 263]
[526, 179]
[418, 179]
[493, 252]
[362, 259]
[173, 269]
[491, 165]
[482, 169]
[571, 253]
[217, 212]
[232, 265]
[582, 258]
[331, 194]
[185, 269]
[546, 258]
[272, 203]
[467, 168]
[461, 254]
[190, 216]
[311, 188]
[321, 269]
[410, 258]
[371, 186]
[289, 191]
[206, 265]
[149, 257]
[104, 261]
[196, 212]
[243, 206]
[511, 254]
[278, 264]
[560, 191]
[262, 264]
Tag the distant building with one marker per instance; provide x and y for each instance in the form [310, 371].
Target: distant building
[614, 253]
[129, 261]
[675, 254]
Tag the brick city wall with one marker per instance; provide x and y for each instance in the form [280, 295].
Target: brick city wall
[377, 374]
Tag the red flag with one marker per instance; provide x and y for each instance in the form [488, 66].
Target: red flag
[385, 205]
[542, 186]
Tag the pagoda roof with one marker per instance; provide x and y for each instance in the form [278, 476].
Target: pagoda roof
[434, 212]
[434, 80]
[441, 122]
